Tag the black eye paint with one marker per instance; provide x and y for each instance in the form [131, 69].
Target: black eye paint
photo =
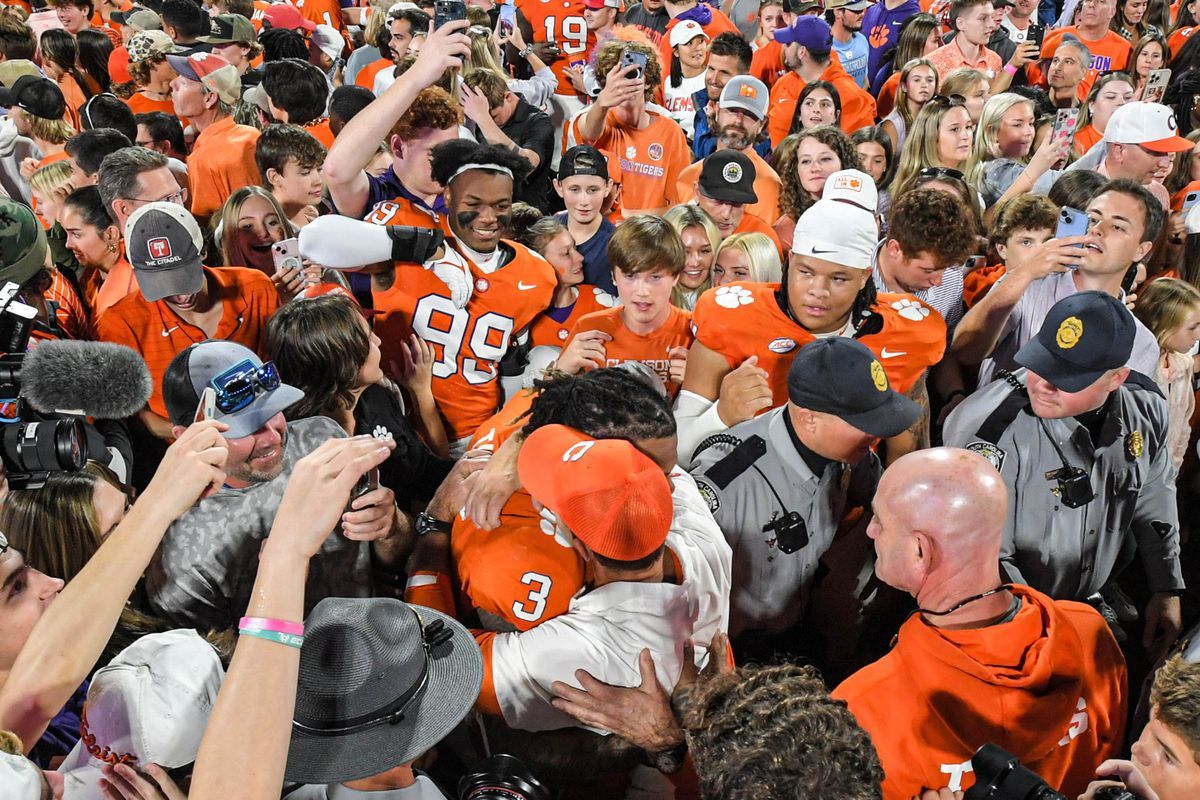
[505, 221]
[465, 218]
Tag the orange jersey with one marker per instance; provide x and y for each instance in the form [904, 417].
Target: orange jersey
[323, 12]
[1108, 55]
[222, 160]
[740, 320]
[546, 330]
[561, 23]
[403, 211]
[259, 14]
[766, 186]
[650, 349]
[1179, 39]
[468, 342]
[651, 159]
[767, 63]
[66, 315]
[366, 76]
[1048, 686]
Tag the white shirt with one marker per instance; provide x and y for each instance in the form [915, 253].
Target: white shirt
[605, 629]
[423, 789]
[679, 103]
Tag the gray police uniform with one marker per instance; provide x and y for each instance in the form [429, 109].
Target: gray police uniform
[753, 477]
[1069, 553]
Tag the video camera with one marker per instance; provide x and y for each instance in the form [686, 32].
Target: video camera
[32, 445]
[502, 777]
[1000, 776]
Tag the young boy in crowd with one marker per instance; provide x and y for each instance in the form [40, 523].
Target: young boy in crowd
[647, 257]
[1021, 227]
[584, 183]
[289, 159]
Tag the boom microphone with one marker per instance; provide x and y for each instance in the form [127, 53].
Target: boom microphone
[96, 379]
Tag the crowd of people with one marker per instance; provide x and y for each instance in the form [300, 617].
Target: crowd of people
[598, 399]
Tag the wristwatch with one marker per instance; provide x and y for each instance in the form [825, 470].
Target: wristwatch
[427, 524]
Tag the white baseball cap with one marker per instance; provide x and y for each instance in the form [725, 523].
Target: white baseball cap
[20, 777]
[841, 226]
[328, 40]
[151, 704]
[1151, 125]
[685, 31]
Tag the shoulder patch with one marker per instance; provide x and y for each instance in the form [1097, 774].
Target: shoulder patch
[993, 454]
[913, 310]
[709, 494]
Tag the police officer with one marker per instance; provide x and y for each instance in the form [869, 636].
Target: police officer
[777, 484]
[1080, 440]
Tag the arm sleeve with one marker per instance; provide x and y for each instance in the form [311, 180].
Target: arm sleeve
[535, 90]
[696, 419]
[1156, 519]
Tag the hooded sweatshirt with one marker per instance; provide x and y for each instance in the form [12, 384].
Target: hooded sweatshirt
[1048, 686]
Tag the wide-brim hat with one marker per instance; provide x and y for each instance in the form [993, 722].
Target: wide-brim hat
[363, 658]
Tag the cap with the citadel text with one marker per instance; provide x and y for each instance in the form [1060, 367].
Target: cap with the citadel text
[164, 246]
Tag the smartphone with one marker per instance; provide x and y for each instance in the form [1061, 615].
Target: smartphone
[632, 57]
[1156, 85]
[286, 254]
[508, 19]
[207, 409]
[1071, 222]
[1130, 278]
[367, 483]
[1189, 201]
[974, 262]
[448, 11]
[1034, 34]
[1064, 124]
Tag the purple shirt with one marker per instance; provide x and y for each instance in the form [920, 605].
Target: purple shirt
[881, 26]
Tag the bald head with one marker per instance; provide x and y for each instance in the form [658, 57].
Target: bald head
[939, 517]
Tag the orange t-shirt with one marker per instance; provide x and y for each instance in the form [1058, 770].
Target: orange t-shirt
[259, 14]
[222, 161]
[562, 23]
[74, 96]
[766, 186]
[1048, 686]
[753, 224]
[1108, 54]
[767, 63]
[651, 349]
[651, 159]
[545, 330]
[740, 320]
[141, 104]
[1179, 39]
[323, 12]
[321, 131]
[1086, 139]
[158, 334]
[468, 342]
[366, 76]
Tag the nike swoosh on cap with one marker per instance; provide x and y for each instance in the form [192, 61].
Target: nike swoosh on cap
[817, 252]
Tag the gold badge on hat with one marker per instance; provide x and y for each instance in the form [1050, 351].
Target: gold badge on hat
[1134, 444]
[878, 376]
[1070, 331]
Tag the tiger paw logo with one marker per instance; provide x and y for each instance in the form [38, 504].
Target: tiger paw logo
[382, 433]
[879, 36]
[1069, 332]
[603, 298]
[911, 310]
[733, 296]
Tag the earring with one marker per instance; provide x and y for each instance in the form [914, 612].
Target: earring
[112, 248]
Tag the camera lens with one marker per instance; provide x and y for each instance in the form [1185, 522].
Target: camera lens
[502, 777]
[57, 445]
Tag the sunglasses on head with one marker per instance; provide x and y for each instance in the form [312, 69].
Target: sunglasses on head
[939, 173]
[237, 386]
[950, 101]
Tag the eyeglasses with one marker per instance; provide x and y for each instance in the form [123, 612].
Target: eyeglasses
[179, 198]
[952, 101]
[238, 386]
[939, 173]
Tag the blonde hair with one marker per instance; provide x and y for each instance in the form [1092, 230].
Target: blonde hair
[1175, 700]
[483, 55]
[765, 266]
[53, 177]
[902, 93]
[961, 81]
[227, 227]
[920, 146]
[986, 145]
[1164, 304]
[54, 131]
[687, 216]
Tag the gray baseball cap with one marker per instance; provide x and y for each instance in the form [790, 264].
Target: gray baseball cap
[746, 93]
[164, 243]
[199, 367]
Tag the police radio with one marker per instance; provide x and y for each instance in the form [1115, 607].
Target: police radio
[1074, 486]
[791, 534]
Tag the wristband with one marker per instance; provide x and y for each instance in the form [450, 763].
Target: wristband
[1010, 69]
[268, 624]
[288, 639]
[414, 245]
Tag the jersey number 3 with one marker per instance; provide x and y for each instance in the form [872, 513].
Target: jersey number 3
[531, 608]
[438, 321]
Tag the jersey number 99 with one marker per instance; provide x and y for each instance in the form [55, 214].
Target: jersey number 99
[438, 321]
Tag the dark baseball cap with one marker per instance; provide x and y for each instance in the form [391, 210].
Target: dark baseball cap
[39, 96]
[1083, 337]
[583, 159]
[164, 243]
[812, 33]
[200, 366]
[842, 377]
[230, 29]
[23, 244]
[728, 175]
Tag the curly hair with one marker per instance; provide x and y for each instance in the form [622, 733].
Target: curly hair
[607, 403]
[1029, 212]
[432, 109]
[793, 199]
[934, 222]
[774, 733]
[609, 53]
[449, 156]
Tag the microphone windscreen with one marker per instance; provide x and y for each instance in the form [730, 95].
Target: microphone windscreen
[99, 379]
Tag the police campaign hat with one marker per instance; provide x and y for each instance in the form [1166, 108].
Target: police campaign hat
[842, 377]
[728, 176]
[1084, 336]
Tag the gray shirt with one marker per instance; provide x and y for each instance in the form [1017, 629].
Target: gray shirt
[946, 298]
[203, 573]
[744, 493]
[1030, 312]
[1069, 553]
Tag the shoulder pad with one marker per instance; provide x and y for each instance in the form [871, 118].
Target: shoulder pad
[1137, 380]
[743, 456]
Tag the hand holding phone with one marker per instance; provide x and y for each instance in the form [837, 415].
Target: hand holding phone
[1035, 34]
[445, 11]
[507, 20]
[1189, 201]
[1071, 222]
[286, 254]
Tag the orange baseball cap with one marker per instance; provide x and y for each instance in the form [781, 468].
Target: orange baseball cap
[611, 496]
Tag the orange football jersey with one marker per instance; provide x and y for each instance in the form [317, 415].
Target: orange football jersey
[650, 349]
[545, 330]
[561, 22]
[403, 211]
[739, 320]
[468, 342]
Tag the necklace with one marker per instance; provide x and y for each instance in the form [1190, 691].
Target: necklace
[1002, 587]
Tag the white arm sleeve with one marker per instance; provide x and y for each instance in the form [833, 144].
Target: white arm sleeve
[696, 419]
[339, 242]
